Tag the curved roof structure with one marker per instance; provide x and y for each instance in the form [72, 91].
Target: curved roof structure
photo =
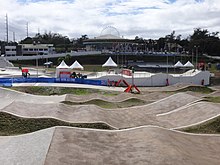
[108, 36]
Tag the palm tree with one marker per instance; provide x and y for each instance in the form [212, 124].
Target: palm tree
[67, 58]
[60, 59]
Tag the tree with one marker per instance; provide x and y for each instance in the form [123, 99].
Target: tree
[60, 59]
[79, 41]
[206, 41]
[170, 38]
[67, 59]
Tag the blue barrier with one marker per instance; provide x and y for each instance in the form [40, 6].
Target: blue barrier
[81, 81]
[8, 81]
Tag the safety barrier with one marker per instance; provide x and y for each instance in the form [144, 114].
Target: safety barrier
[81, 81]
[10, 81]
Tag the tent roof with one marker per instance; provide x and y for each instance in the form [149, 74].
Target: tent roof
[110, 63]
[189, 64]
[76, 65]
[178, 64]
[63, 65]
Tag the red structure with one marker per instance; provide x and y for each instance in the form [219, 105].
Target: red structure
[130, 88]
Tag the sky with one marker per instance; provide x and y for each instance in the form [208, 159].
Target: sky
[73, 18]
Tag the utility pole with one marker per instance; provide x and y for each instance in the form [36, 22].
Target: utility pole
[197, 52]
[14, 36]
[6, 27]
[27, 28]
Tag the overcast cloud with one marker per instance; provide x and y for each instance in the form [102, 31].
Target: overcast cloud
[143, 18]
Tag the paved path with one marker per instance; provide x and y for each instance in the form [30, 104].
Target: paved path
[26, 149]
[144, 145]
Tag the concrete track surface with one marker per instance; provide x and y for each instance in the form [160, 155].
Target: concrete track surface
[144, 145]
[119, 118]
[7, 96]
[149, 96]
[151, 138]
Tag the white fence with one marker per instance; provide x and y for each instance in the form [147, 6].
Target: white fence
[161, 79]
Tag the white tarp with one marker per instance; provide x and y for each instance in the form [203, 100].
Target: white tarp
[189, 64]
[109, 63]
[178, 64]
[76, 65]
[63, 70]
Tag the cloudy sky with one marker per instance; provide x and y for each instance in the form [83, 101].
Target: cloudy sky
[143, 18]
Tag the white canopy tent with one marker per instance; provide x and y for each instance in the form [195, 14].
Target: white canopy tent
[178, 64]
[63, 65]
[189, 65]
[109, 63]
[76, 65]
[63, 70]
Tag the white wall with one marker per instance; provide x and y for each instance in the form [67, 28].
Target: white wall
[160, 79]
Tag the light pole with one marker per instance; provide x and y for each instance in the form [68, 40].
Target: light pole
[197, 47]
[167, 64]
[37, 64]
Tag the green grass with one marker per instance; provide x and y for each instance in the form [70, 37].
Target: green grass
[110, 105]
[47, 91]
[209, 127]
[200, 89]
[93, 68]
[213, 68]
[213, 99]
[13, 125]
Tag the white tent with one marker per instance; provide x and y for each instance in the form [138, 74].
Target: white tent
[109, 63]
[63, 70]
[63, 65]
[178, 64]
[76, 65]
[189, 64]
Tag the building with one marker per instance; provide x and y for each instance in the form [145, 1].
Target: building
[10, 51]
[107, 43]
[36, 49]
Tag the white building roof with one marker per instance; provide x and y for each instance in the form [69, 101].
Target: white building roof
[108, 36]
[109, 63]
